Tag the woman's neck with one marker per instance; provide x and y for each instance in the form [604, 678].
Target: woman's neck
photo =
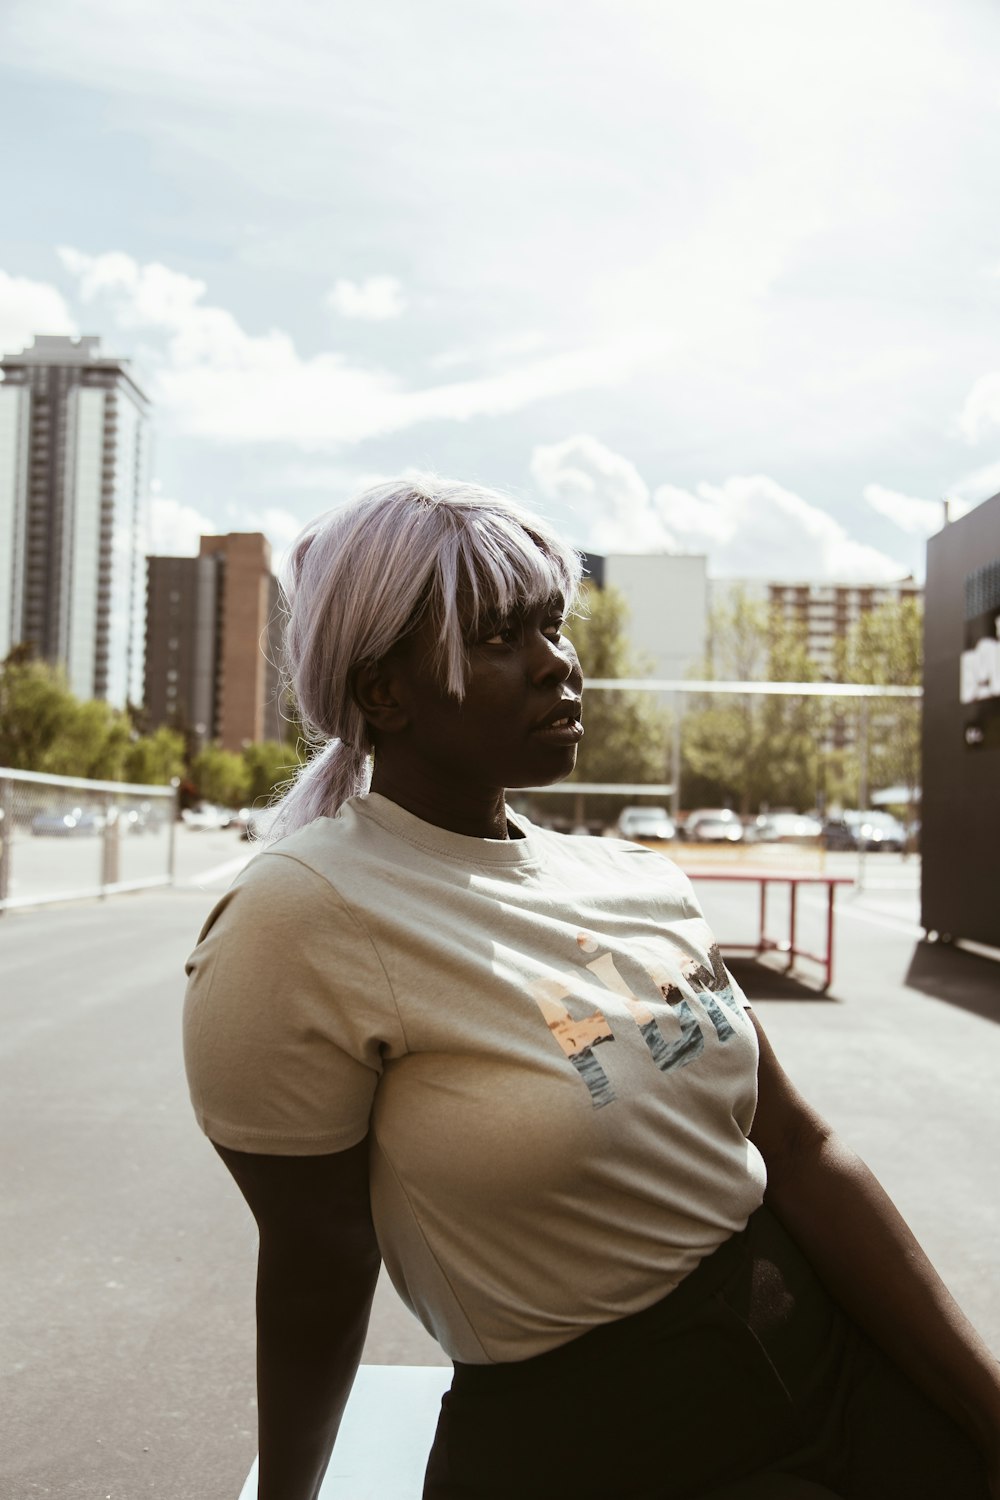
[477, 812]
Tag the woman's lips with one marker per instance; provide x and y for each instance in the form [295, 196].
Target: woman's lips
[563, 732]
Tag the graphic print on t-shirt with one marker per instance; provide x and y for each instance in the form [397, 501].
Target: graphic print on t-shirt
[577, 1038]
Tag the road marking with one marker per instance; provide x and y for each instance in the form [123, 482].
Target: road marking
[220, 872]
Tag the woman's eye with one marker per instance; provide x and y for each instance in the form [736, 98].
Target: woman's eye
[506, 634]
[512, 632]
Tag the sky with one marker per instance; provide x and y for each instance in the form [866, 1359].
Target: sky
[715, 277]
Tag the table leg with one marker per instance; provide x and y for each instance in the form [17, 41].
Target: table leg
[793, 892]
[763, 916]
[831, 891]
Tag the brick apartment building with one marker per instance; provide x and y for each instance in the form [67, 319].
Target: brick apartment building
[212, 637]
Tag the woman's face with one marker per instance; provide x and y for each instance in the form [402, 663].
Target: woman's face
[519, 722]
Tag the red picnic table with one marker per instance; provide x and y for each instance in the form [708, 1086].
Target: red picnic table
[793, 879]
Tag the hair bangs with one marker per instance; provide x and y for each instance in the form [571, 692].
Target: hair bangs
[501, 563]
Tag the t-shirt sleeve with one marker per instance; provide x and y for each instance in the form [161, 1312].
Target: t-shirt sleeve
[288, 1015]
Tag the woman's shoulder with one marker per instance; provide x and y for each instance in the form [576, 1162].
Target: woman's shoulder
[328, 848]
[299, 884]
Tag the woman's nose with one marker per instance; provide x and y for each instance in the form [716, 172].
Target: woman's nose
[555, 661]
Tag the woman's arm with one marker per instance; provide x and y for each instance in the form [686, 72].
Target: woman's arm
[857, 1241]
[316, 1270]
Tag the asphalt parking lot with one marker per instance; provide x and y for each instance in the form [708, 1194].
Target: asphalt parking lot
[127, 1259]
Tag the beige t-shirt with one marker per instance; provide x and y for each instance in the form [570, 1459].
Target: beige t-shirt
[556, 1071]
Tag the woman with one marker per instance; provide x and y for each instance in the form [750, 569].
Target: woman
[514, 1066]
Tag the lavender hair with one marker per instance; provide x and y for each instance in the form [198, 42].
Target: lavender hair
[360, 578]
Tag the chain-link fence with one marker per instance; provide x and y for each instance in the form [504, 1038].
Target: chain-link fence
[62, 837]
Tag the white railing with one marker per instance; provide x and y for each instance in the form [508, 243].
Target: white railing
[63, 837]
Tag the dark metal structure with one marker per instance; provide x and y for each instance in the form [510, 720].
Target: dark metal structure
[960, 836]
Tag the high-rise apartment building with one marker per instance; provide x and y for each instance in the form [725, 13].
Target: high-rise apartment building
[74, 445]
[824, 611]
[212, 631]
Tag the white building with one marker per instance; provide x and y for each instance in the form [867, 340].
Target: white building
[667, 598]
[74, 461]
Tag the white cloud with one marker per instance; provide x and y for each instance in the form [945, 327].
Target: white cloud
[335, 480]
[280, 526]
[916, 517]
[175, 529]
[375, 299]
[980, 484]
[224, 383]
[603, 492]
[515, 345]
[749, 526]
[981, 408]
[29, 307]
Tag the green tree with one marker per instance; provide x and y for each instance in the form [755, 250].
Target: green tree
[221, 776]
[35, 703]
[155, 759]
[756, 748]
[885, 645]
[626, 733]
[44, 727]
[269, 765]
[93, 742]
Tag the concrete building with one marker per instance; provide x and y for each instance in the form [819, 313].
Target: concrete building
[211, 641]
[667, 598]
[74, 455]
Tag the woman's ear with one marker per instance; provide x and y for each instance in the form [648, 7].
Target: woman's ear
[374, 689]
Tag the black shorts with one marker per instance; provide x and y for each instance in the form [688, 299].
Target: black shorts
[747, 1382]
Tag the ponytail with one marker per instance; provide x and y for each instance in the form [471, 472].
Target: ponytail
[331, 774]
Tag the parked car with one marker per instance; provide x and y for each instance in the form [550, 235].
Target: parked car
[207, 816]
[713, 825]
[787, 828]
[864, 830]
[72, 822]
[652, 823]
[880, 830]
[839, 833]
[141, 818]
